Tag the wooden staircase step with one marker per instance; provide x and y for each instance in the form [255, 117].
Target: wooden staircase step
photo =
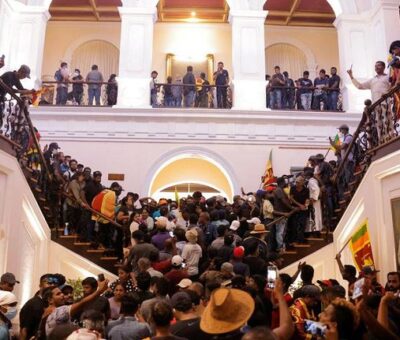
[81, 243]
[302, 245]
[109, 258]
[118, 265]
[33, 179]
[95, 250]
[314, 238]
[68, 236]
[289, 252]
[42, 199]
[37, 189]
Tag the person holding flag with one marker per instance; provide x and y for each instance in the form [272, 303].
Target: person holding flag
[268, 180]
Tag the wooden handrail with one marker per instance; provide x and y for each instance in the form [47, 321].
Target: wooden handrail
[24, 109]
[384, 97]
[93, 211]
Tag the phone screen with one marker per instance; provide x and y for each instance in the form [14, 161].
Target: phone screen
[358, 285]
[272, 275]
[171, 233]
[314, 327]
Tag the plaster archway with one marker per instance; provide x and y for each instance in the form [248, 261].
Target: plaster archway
[192, 153]
[310, 56]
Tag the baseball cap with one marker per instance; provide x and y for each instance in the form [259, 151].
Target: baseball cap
[181, 301]
[9, 278]
[238, 252]
[368, 270]
[25, 69]
[343, 126]
[115, 185]
[234, 225]
[176, 261]
[54, 146]
[254, 220]
[97, 174]
[185, 283]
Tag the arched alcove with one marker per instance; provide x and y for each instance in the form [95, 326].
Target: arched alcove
[99, 52]
[289, 57]
[191, 165]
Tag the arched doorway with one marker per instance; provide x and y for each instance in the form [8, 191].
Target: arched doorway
[189, 172]
[290, 58]
[99, 52]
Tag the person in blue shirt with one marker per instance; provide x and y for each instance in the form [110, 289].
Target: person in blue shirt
[320, 96]
[221, 79]
[305, 91]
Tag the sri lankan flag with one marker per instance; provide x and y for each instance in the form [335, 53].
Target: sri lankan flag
[336, 142]
[268, 177]
[361, 249]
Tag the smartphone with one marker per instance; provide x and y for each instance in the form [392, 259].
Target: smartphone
[358, 285]
[183, 265]
[171, 233]
[101, 277]
[272, 275]
[314, 328]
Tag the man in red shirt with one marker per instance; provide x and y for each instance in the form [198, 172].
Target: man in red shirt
[176, 274]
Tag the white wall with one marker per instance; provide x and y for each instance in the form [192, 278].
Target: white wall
[137, 142]
[372, 202]
[24, 235]
[25, 246]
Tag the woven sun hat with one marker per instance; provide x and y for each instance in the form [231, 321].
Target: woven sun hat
[228, 310]
[191, 235]
[259, 229]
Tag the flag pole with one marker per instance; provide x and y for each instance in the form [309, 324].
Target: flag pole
[344, 246]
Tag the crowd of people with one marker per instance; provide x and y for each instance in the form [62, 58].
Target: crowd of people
[231, 299]
[303, 93]
[94, 80]
[192, 91]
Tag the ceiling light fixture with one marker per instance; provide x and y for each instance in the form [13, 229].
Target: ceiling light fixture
[193, 14]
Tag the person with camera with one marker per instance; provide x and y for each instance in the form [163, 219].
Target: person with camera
[379, 85]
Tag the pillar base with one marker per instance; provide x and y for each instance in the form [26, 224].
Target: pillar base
[249, 95]
[133, 93]
[353, 98]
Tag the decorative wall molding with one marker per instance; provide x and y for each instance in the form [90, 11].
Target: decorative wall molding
[189, 125]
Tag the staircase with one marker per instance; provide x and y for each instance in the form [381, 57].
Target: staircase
[378, 131]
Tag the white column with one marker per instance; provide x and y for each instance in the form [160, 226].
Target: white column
[136, 52]
[248, 54]
[363, 39]
[22, 35]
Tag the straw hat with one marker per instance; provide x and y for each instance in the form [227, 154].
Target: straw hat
[191, 235]
[259, 229]
[228, 310]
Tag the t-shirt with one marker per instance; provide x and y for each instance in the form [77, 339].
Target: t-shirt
[174, 277]
[300, 196]
[332, 80]
[31, 315]
[347, 140]
[221, 77]
[127, 328]
[11, 79]
[115, 308]
[304, 84]
[140, 250]
[275, 80]
[99, 304]
[96, 76]
[188, 79]
[191, 255]
[189, 329]
[61, 315]
[280, 196]
[159, 239]
[256, 265]
[319, 84]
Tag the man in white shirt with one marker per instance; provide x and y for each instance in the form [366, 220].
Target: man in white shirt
[379, 85]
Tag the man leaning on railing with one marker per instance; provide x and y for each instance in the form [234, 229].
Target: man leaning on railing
[13, 80]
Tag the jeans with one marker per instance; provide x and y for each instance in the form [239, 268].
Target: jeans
[276, 99]
[77, 96]
[153, 99]
[306, 100]
[177, 101]
[222, 93]
[280, 233]
[94, 93]
[189, 99]
[300, 220]
[333, 97]
[321, 98]
[106, 233]
[169, 101]
[62, 95]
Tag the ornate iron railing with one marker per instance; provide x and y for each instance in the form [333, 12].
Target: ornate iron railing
[379, 126]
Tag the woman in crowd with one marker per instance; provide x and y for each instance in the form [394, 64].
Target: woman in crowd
[115, 301]
[125, 278]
